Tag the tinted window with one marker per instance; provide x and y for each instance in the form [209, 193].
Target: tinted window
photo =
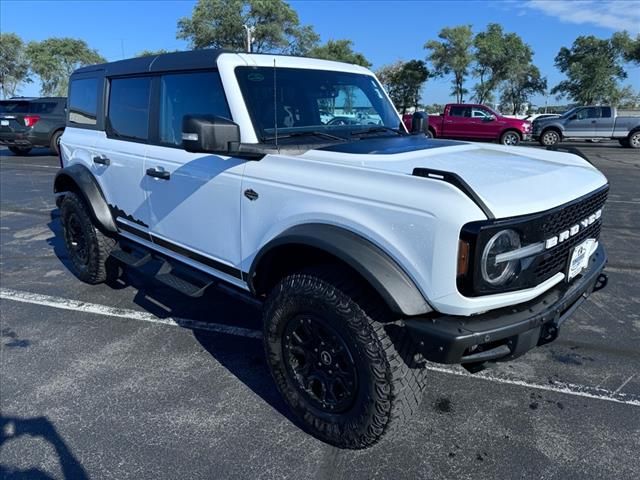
[460, 112]
[43, 107]
[129, 107]
[590, 112]
[11, 106]
[183, 94]
[83, 101]
[606, 112]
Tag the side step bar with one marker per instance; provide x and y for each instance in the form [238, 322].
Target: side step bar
[187, 282]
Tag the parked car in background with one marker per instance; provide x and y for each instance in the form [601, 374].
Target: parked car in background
[26, 123]
[479, 122]
[588, 123]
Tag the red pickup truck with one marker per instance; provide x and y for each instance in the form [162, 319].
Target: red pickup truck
[478, 122]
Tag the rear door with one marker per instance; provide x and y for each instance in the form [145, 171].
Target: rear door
[194, 198]
[604, 123]
[118, 163]
[457, 122]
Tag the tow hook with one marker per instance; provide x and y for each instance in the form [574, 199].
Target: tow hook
[601, 282]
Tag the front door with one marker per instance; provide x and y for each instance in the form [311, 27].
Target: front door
[194, 198]
[582, 123]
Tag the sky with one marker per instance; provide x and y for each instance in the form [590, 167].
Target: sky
[383, 30]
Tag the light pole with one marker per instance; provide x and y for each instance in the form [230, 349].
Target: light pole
[250, 31]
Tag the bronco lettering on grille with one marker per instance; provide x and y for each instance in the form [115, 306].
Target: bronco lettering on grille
[573, 230]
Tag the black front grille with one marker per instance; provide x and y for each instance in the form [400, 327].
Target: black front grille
[556, 259]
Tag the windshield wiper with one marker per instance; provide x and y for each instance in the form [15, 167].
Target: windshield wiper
[314, 133]
[377, 129]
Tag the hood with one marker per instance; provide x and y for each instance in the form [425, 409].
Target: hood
[511, 181]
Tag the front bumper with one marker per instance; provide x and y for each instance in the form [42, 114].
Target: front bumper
[509, 332]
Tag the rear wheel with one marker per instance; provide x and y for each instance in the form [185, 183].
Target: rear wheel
[634, 139]
[334, 362]
[549, 138]
[510, 137]
[55, 142]
[20, 150]
[87, 246]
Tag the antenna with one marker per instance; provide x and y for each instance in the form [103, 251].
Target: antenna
[275, 104]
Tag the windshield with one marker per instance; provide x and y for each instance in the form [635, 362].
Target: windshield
[324, 103]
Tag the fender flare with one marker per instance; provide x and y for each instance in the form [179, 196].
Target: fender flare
[383, 273]
[78, 178]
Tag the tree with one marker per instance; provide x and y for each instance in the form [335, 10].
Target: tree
[221, 24]
[403, 82]
[153, 53]
[490, 56]
[521, 85]
[452, 55]
[593, 68]
[55, 59]
[14, 67]
[629, 47]
[340, 51]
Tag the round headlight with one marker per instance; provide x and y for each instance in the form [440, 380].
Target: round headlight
[497, 273]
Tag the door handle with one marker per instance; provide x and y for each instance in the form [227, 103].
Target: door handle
[101, 160]
[156, 173]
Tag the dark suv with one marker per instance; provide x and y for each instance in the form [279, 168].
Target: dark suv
[26, 123]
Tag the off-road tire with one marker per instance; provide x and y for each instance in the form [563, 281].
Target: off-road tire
[549, 138]
[90, 265]
[19, 151]
[510, 138]
[633, 140]
[54, 144]
[390, 376]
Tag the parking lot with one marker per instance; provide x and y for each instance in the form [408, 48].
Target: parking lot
[132, 380]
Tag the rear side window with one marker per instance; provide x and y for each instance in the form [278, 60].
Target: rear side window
[128, 114]
[83, 101]
[43, 107]
[197, 93]
[606, 112]
[460, 112]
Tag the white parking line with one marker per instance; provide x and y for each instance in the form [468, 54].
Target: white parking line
[585, 391]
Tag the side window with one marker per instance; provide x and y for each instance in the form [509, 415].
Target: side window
[196, 93]
[590, 112]
[460, 112]
[83, 101]
[128, 115]
[480, 113]
[606, 112]
[43, 107]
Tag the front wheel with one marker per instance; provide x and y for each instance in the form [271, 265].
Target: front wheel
[510, 138]
[549, 138]
[634, 140]
[87, 246]
[338, 369]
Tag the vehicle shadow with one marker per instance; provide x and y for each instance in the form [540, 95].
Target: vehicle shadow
[36, 152]
[12, 428]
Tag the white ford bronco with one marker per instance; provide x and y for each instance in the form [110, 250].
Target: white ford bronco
[372, 249]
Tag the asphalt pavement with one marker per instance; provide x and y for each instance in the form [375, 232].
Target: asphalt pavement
[133, 380]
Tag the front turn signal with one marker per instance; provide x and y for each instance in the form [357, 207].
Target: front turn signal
[463, 258]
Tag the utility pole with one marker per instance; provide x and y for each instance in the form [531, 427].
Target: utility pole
[250, 31]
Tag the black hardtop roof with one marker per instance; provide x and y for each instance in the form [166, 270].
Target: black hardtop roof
[189, 60]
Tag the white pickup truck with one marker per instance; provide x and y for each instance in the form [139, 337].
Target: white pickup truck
[590, 123]
[371, 249]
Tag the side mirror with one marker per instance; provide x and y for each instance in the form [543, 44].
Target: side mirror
[419, 123]
[210, 134]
